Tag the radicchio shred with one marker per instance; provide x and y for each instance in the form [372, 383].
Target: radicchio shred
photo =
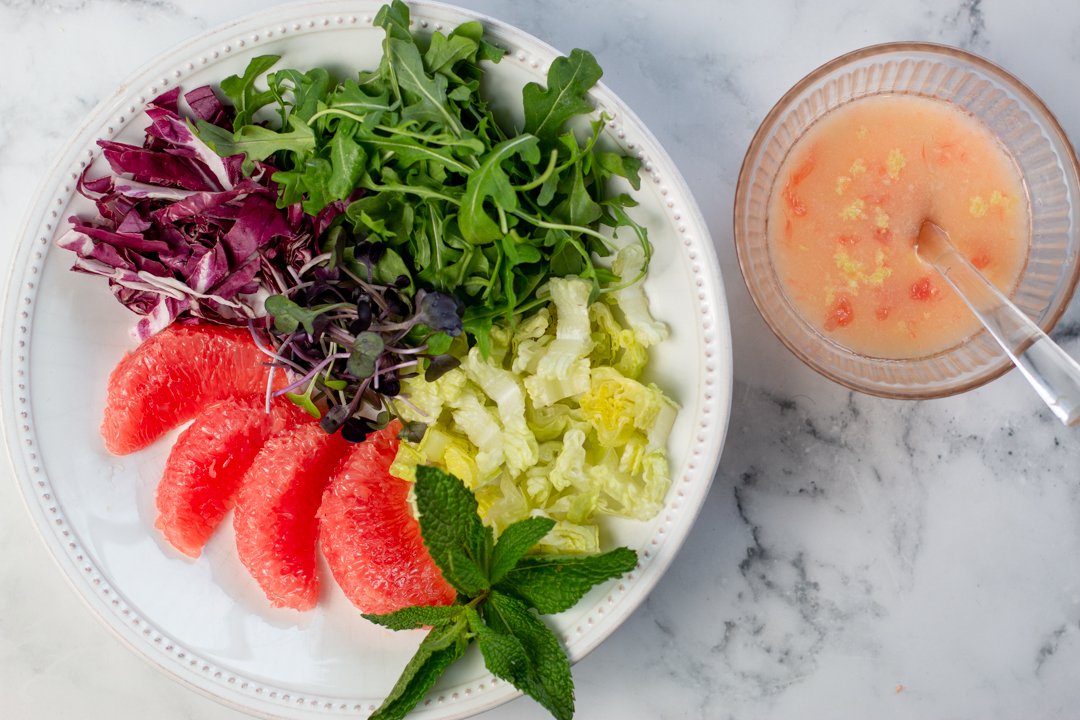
[188, 238]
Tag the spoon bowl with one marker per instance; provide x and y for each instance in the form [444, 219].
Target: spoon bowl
[1049, 369]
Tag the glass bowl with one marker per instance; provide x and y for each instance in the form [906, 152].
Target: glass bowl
[1010, 110]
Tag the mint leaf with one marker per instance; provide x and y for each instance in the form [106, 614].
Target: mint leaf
[515, 541]
[442, 646]
[504, 655]
[417, 616]
[568, 79]
[553, 583]
[545, 674]
[491, 181]
[457, 540]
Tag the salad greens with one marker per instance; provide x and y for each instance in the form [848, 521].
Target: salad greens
[456, 204]
[498, 585]
[381, 218]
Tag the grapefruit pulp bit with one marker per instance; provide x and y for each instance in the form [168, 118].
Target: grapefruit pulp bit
[276, 528]
[175, 374]
[369, 536]
[208, 462]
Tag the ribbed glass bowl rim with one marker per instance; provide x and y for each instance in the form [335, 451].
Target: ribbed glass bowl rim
[937, 389]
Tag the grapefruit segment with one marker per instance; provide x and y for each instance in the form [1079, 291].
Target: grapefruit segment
[276, 528]
[369, 536]
[207, 464]
[174, 375]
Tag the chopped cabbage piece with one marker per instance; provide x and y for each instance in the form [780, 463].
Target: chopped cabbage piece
[507, 509]
[549, 422]
[568, 538]
[430, 397]
[624, 495]
[634, 357]
[632, 301]
[405, 462]
[661, 427]
[569, 466]
[546, 391]
[532, 328]
[529, 353]
[519, 445]
[451, 452]
[573, 331]
[501, 338]
[616, 406]
[480, 424]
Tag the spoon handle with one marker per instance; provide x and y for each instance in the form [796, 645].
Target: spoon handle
[1049, 369]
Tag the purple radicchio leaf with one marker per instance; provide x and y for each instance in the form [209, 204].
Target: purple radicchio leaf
[206, 106]
[259, 221]
[166, 100]
[153, 167]
[175, 130]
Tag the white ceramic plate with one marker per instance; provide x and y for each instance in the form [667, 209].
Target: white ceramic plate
[206, 623]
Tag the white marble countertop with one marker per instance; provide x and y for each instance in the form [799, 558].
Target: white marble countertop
[856, 557]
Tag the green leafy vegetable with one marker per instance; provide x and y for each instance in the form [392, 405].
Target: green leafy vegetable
[455, 203]
[497, 584]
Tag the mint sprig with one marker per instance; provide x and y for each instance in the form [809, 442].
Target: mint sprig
[498, 588]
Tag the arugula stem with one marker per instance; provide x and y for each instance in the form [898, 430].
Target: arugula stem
[559, 226]
[543, 177]
[336, 111]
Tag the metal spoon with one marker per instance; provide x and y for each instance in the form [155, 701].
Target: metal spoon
[1053, 374]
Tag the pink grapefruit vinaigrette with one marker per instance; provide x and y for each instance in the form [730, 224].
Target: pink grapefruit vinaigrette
[846, 207]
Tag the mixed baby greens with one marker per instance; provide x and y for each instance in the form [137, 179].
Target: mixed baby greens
[435, 194]
[385, 217]
[497, 585]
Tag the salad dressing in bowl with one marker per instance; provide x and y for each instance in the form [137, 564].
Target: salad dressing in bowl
[846, 208]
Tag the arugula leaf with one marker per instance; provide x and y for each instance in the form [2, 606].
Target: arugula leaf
[417, 616]
[318, 173]
[444, 52]
[258, 143]
[425, 96]
[545, 675]
[491, 181]
[442, 646]
[578, 208]
[554, 583]
[308, 89]
[568, 79]
[241, 90]
[348, 160]
[351, 99]
[621, 165]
